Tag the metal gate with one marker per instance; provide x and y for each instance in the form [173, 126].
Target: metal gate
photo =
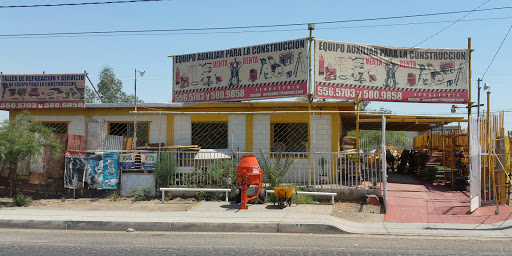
[475, 151]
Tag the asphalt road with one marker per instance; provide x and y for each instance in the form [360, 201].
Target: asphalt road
[77, 243]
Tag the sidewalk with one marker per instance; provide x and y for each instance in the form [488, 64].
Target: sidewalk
[413, 202]
[224, 217]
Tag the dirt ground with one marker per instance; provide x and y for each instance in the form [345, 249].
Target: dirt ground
[106, 204]
[358, 212]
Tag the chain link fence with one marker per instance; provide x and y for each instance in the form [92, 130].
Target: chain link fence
[321, 144]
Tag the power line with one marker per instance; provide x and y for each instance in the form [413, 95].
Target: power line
[77, 4]
[450, 24]
[240, 27]
[497, 51]
[142, 33]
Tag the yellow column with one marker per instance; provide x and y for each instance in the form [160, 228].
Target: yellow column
[249, 137]
[170, 129]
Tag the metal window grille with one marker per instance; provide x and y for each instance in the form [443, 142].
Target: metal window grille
[210, 134]
[289, 137]
[58, 128]
[126, 130]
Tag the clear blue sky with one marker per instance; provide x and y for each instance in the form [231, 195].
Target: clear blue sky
[149, 52]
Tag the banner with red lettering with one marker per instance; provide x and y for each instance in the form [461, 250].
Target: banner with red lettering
[42, 91]
[394, 74]
[272, 70]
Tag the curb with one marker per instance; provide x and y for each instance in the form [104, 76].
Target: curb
[266, 227]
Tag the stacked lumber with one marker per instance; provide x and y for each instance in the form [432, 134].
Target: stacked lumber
[436, 159]
[190, 147]
[348, 143]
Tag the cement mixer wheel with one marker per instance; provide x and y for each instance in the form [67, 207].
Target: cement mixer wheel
[262, 196]
[241, 181]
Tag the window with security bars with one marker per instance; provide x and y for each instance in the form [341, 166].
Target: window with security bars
[213, 135]
[289, 137]
[58, 128]
[126, 130]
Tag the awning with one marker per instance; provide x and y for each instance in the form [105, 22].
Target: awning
[397, 122]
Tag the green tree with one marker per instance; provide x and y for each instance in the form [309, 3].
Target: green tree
[399, 138]
[363, 105]
[22, 138]
[392, 137]
[110, 89]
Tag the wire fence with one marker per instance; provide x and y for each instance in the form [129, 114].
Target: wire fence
[318, 170]
[208, 146]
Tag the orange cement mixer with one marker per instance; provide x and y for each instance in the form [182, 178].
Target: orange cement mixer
[249, 173]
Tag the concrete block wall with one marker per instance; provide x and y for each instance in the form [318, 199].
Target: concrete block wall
[76, 123]
[236, 133]
[157, 133]
[321, 134]
[182, 130]
[261, 133]
[321, 141]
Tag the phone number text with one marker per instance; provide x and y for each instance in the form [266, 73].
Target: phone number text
[26, 105]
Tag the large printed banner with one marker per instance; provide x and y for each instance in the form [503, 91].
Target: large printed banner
[272, 70]
[148, 161]
[74, 171]
[127, 161]
[378, 73]
[42, 91]
[103, 170]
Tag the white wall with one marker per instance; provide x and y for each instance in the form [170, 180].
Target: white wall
[321, 133]
[261, 133]
[76, 123]
[236, 132]
[182, 130]
[321, 140]
[155, 135]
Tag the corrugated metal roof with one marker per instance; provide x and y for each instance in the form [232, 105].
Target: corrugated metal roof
[131, 105]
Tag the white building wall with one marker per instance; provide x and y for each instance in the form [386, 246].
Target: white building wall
[321, 134]
[76, 123]
[157, 125]
[261, 133]
[182, 130]
[236, 130]
[321, 141]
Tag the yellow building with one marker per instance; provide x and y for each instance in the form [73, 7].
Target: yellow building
[249, 126]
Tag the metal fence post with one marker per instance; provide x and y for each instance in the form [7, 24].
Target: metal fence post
[384, 164]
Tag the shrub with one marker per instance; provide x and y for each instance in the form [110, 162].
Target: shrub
[114, 197]
[220, 171]
[375, 181]
[165, 168]
[21, 200]
[276, 171]
[140, 194]
[302, 199]
[322, 162]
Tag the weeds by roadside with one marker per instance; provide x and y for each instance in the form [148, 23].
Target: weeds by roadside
[140, 194]
[21, 200]
[114, 197]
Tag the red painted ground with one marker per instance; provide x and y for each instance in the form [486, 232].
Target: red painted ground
[410, 201]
